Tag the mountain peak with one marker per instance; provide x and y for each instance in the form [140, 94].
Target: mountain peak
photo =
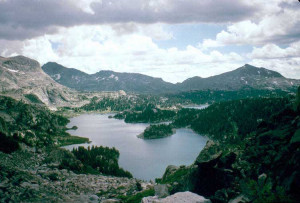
[249, 70]
[21, 63]
[248, 66]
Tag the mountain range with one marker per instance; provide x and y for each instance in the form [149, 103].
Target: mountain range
[243, 77]
[106, 80]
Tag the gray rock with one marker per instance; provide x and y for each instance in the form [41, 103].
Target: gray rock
[239, 199]
[94, 198]
[179, 197]
[110, 201]
[161, 190]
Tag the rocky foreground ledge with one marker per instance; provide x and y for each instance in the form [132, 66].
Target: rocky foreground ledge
[35, 176]
[181, 197]
[30, 175]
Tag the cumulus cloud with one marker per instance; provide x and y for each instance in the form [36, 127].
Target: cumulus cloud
[23, 19]
[287, 67]
[284, 60]
[122, 35]
[272, 51]
[95, 48]
[279, 24]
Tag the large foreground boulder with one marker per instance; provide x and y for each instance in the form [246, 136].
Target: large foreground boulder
[179, 197]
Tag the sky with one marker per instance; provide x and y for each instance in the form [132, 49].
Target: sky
[171, 39]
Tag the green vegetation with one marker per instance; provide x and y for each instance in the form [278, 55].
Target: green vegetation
[262, 191]
[150, 114]
[100, 160]
[262, 166]
[106, 103]
[183, 176]
[8, 144]
[230, 121]
[69, 140]
[124, 103]
[212, 96]
[137, 198]
[157, 131]
[33, 98]
[33, 125]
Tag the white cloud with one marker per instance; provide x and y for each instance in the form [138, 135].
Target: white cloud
[124, 41]
[95, 48]
[275, 23]
[287, 67]
[272, 51]
[284, 60]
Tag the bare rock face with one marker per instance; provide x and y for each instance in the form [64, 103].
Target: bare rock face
[21, 76]
[179, 197]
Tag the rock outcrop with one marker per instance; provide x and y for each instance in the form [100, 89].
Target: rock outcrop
[23, 78]
[179, 197]
[262, 167]
[36, 177]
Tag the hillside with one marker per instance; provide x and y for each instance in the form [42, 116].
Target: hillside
[246, 76]
[263, 166]
[23, 78]
[105, 80]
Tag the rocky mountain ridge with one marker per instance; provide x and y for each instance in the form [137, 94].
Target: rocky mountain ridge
[23, 79]
[105, 80]
[243, 77]
[22, 76]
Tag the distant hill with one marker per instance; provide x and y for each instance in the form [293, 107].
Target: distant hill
[106, 80]
[23, 78]
[243, 77]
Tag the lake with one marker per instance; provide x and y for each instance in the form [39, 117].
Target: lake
[145, 159]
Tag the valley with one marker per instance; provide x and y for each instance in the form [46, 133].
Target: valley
[227, 137]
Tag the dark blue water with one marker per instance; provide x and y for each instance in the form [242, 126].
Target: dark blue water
[145, 159]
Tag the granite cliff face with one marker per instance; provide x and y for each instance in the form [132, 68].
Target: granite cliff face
[23, 78]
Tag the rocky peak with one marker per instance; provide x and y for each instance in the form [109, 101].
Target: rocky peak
[20, 63]
[249, 70]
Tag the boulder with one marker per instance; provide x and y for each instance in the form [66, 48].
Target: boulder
[179, 197]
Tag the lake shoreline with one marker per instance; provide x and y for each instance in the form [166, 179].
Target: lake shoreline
[145, 159]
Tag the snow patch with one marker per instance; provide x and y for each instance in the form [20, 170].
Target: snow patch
[11, 70]
[243, 79]
[111, 76]
[116, 78]
[57, 76]
[99, 78]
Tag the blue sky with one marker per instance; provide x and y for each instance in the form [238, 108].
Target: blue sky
[171, 39]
